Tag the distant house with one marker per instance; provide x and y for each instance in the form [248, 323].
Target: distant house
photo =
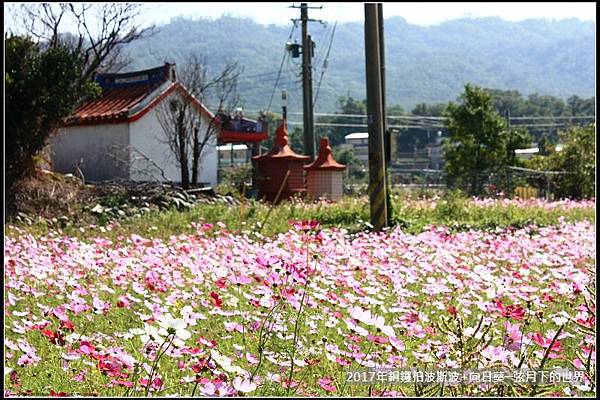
[118, 136]
[359, 142]
[525, 154]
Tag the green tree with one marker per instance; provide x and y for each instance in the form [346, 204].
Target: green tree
[479, 143]
[581, 107]
[430, 110]
[577, 158]
[347, 105]
[41, 89]
[356, 168]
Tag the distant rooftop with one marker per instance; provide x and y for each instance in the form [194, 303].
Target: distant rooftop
[227, 147]
[357, 135]
[126, 97]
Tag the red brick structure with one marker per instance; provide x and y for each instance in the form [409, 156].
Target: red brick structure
[324, 177]
[273, 166]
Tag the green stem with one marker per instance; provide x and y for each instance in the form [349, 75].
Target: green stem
[296, 326]
[158, 356]
[546, 354]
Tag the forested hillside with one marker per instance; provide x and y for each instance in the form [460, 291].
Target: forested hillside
[424, 64]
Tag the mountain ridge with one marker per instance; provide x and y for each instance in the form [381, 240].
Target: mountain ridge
[423, 63]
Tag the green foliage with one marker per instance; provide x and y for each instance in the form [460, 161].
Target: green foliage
[479, 143]
[356, 168]
[236, 180]
[430, 110]
[453, 210]
[41, 90]
[346, 105]
[577, 158]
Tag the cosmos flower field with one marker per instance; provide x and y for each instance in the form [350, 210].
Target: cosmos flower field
[216, 313]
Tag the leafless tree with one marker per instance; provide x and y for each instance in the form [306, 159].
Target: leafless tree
[186, 132]
[102, 30]
[134, 160]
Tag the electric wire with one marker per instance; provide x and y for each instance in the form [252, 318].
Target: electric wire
[325, 63]
[285, 54]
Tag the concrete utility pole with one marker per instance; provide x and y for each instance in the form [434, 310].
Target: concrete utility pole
[307, 93]
[375, 117]
[387, 135]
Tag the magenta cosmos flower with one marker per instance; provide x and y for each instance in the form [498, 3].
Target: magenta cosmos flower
[305, 225]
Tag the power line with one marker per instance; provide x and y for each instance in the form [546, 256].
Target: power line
[558, 117]
[365, 125]
[325, 63]
[285, 54]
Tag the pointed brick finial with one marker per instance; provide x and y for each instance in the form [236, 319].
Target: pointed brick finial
[325, 159]
[281, 134]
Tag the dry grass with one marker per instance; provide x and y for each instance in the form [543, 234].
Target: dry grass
[51, 195]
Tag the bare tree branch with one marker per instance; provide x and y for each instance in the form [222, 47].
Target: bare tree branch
[186, 132]
[102, 30]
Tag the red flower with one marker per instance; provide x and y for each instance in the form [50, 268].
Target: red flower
[216, 299]
[452, 310]
[200, 366]
[54, 337]
[14, 378]
[511, 311]
[544, 342]
[39, 327]
[109, 367]
[58, 394]
[312, 361]
[221, 283]
[68, 325]
[589, 322]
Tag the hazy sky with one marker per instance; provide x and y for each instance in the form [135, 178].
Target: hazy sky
[415, 13]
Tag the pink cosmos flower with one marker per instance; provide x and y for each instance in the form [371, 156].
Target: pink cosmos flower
[326, 384]
[123, 302]
[343, 362]
[156, 384]
[513, 337]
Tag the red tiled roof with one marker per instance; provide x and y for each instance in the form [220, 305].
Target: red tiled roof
[112, 107]
[118, 104]
[324, 160]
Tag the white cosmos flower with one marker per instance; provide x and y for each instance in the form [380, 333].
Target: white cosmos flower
[170, 325]
[7, 370]
[151, 333]
[225, 363]
[243, 385]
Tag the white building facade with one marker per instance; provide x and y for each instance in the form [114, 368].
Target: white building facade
[119, 136]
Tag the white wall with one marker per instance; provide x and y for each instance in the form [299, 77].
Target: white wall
[146, 137]
[102, 148]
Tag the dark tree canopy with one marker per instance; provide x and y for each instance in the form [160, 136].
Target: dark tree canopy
[479, 143]
[42, 88]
